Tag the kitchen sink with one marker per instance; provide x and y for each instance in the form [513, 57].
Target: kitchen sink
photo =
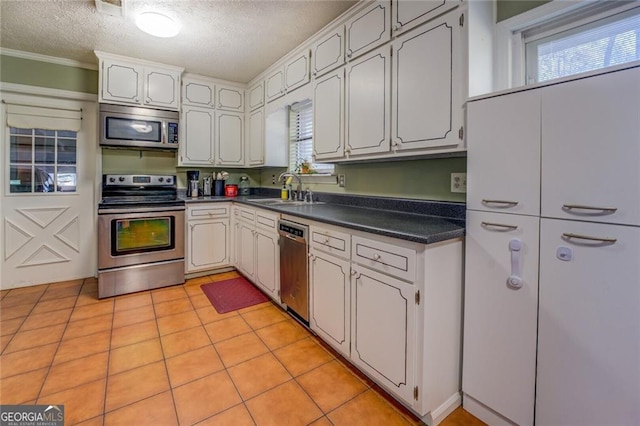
[281, 202]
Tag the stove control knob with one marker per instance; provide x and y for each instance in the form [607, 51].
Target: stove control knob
[160, 179]
[168, 180]
[112, 179]
[121, 178]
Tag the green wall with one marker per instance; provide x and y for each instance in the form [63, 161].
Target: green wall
[44, 74]
[510, 8]
[426, 179]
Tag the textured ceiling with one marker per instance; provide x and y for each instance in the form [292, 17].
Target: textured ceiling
[229, 39]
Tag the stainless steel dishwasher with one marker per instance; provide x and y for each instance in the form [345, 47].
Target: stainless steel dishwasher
[294, 276]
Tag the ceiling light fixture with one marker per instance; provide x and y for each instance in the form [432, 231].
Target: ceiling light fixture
[157, 24]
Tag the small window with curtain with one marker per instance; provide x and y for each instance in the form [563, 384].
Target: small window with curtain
[42, 149]
[301, 141]
[592, 39]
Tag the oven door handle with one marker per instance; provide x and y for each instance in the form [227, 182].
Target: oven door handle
[157, 209]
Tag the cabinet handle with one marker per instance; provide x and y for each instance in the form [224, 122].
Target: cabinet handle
[500, 225]
[397, 27]
[148, 100]
[604, 210]
[353, 272]
[136, 99]
[376, 257]
[568, 236]
[315, 73]
[508, 203]
[312, 257]
[326, 240]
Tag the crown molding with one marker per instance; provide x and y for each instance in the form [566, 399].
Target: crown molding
[45, 58]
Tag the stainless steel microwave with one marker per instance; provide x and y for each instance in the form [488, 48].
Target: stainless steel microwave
[136, 127]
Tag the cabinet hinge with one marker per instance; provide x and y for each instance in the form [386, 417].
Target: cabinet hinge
[461, 133]
[415, 393]
[462, 20]
[418, 297]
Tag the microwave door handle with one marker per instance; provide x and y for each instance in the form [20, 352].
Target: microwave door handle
[163, 137]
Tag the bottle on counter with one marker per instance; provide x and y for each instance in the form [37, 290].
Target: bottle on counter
[243, 186]
[284, 193]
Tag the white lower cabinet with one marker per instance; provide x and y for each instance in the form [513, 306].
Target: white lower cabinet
[392, 308]
[330, 283]
[208, 237]
[589, 326]
[500, 321]
[256, 252]
[383, 330]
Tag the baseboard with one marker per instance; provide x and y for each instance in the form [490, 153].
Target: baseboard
[436, 416]
[484, 413]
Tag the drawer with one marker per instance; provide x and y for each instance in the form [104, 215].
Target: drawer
[395, 260]
[207, 211]
[245, 214]
[331, 241]
[267, 220]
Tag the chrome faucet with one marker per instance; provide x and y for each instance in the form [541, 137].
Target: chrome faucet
[287, 174]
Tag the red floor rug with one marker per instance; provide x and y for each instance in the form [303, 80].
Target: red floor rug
[233, 294]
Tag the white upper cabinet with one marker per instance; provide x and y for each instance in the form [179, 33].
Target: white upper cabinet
[274, 85]
[368, 29]
[229, 139]
[198, 93]
[503, 153]
[256, 96]
[367, 106]
[230, 98]
[328, 116]
[591, 149]
[197, 130]
[296, 71]
[255, 137]
[129, 82]
[328, 52]
[426, 91]
[408, 14]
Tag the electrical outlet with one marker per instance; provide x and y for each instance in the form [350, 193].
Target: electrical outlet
[273, 179]
[341, 181]
[458, 182]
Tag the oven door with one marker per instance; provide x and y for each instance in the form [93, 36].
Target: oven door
[128, 238]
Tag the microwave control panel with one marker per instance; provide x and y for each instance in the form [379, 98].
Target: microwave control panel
[172, 133]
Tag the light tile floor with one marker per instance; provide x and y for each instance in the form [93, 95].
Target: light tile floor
[166, 357]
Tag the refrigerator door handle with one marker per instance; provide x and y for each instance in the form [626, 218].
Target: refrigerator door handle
[515, 247]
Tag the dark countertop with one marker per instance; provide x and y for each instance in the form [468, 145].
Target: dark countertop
[418, 227]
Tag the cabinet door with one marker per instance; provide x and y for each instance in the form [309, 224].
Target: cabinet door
[198, 93]
[503, 153]
[589, 327]
[328, 52]
[383, 330]
[229, 138]
[274, 85]
[197, 136]
[256, 137]
[426, 96]
[256, 96]
[590, 149]
[369, 28]
[296, 72]
[328, 116]
[121, 82]
[368, 81]
[207, 244]
[245, 249]
[408, 14]
[267, 264]
[162, 88]
[230, 98]
[330, 300]
[500, 321]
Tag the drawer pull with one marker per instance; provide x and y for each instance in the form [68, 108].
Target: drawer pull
[569, 236]
[376, 257]
[499, 225]
[326, 240]
[505, 202]
[604, 210]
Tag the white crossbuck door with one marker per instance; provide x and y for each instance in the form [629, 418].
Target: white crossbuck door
[48, 210]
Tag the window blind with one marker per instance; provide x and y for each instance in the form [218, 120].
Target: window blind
[36, 117]
[301, 140]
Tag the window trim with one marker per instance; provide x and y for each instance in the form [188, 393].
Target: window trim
[509, 46]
